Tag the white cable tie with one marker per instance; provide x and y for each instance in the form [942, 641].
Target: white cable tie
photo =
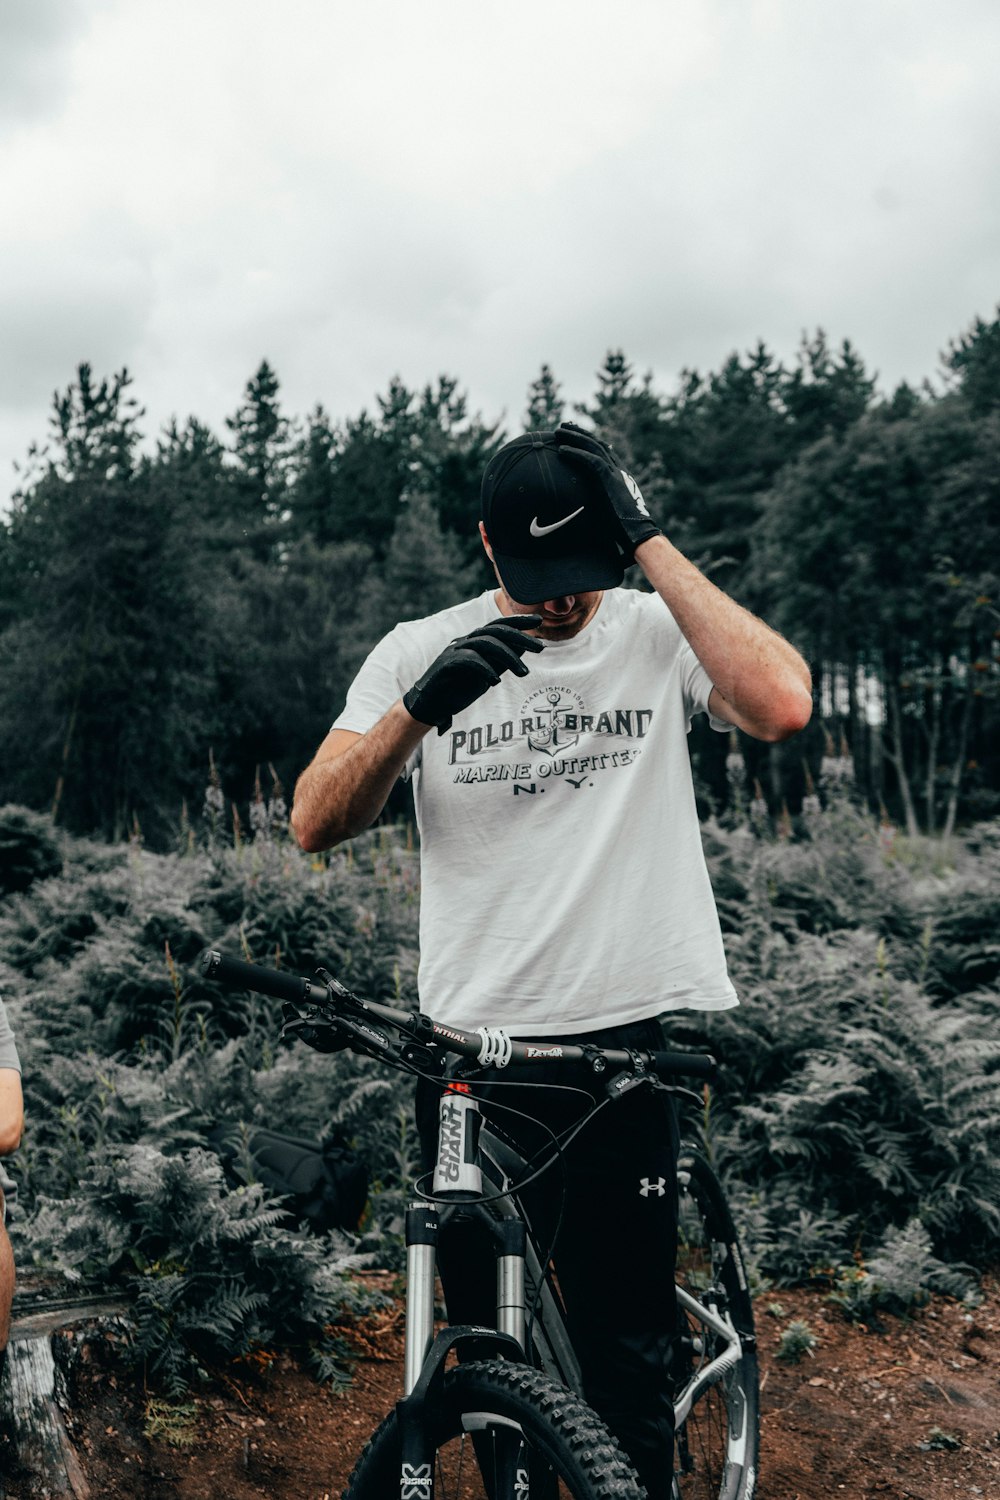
[496, 1049]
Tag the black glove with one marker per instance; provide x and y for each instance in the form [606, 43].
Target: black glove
[631, 523]
[469, 667]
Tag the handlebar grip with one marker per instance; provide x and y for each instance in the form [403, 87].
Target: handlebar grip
[691, 1064]
[236, 974]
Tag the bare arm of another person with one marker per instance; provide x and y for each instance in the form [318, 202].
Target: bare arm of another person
[761, 683]
[11, 1127]
[11, 1110]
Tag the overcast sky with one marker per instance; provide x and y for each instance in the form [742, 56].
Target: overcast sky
[455, 186]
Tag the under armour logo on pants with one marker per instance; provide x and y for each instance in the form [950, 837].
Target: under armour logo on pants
[659, 1187]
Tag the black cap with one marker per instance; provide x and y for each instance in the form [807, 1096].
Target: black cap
[547, 523]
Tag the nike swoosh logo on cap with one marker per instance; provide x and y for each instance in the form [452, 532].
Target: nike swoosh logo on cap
[537, 530]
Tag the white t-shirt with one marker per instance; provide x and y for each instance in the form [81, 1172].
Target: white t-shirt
[564, 886]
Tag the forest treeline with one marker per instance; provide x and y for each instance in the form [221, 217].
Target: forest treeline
[213, 598]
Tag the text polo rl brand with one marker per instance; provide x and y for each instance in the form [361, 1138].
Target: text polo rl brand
[631, 723]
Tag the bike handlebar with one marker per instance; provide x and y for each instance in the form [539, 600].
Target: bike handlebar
[236, 973]
[491, 1047]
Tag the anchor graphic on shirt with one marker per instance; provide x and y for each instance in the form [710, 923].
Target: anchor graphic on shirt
[548, 733]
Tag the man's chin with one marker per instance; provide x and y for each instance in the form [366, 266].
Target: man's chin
[562, 629]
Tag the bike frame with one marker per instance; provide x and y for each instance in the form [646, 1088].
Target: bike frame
[467, 1153]
[324, 1014]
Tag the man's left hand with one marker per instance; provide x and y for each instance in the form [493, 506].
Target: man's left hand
[631, 523]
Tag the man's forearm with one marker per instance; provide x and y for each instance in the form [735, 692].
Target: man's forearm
[341, 794]
[756, 670]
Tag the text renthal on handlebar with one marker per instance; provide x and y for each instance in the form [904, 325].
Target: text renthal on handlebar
[489, 1046]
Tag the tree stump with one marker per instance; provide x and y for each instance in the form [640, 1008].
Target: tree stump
[37, 1456]
[46, 1459]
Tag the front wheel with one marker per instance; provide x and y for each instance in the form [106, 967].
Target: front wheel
[718, 1438]
[500, 1431]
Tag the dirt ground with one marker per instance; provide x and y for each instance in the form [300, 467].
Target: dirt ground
[910, 1410]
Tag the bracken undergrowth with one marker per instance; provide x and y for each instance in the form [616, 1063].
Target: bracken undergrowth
[856, 1119]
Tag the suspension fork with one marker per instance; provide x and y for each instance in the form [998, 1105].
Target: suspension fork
[458, 1177]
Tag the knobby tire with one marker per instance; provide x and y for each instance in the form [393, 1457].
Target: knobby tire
[560, 1448]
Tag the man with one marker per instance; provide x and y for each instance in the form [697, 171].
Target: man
[11, 1126]
[564, 889]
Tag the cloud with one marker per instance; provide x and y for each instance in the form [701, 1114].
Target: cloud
[35, 57]
[356, 191]
[91, 306]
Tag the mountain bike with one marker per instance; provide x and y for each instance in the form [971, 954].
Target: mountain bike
[508, 1421]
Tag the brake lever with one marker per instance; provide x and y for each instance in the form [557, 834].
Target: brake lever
[624, 1082]
[321, 1035]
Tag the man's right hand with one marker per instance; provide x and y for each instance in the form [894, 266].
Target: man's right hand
[628, 514]
[469, 667]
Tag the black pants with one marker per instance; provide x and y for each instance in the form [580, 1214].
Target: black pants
[616, 1246]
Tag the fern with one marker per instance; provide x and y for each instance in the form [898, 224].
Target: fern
[29, 849]
[859, 1089]
[845, 1084]
[900, 1276]
[212, 1273]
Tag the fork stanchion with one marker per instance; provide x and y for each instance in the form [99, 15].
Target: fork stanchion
[421, 1246]
[511, 1309]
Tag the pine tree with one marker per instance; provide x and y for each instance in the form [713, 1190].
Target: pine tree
[878, 549]
[373, 465]
[191, 474]
[100, 691]
[262, 447]
[973, 364]
[314, 489]
[452, 451]
[545, 405]
[826, 393]
[425, 569]
[614, 384]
